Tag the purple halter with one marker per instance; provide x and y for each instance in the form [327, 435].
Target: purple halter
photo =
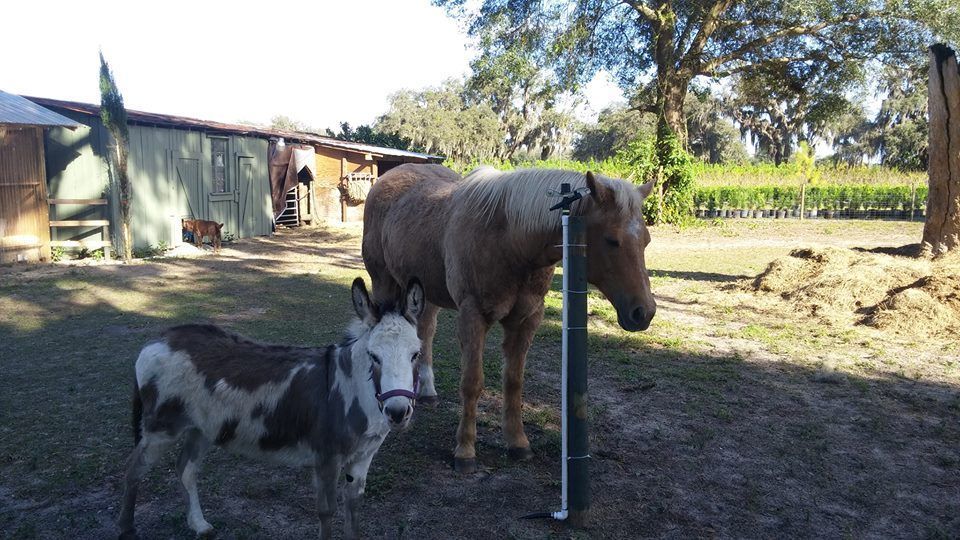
[381, 397]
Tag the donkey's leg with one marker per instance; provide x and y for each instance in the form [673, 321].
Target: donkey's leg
[426, 329]
[326, 472]
[518, 330]
[472, 327]
[356, 482]
[147, 452]
[194, 448]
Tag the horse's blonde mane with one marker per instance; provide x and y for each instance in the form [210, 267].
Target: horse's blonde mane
[522, 195]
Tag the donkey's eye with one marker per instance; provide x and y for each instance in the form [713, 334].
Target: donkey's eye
[612, 242]
[375, 358]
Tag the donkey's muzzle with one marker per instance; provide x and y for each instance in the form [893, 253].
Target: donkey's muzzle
[398, 414]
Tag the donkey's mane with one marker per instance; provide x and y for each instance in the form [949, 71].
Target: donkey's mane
[522, 195]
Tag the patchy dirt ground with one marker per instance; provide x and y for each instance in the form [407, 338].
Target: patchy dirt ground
[737, 415]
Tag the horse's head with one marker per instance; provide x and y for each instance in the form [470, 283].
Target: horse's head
[391, 349]
[616, 239]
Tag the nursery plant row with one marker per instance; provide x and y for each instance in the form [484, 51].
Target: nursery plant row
[851, 201]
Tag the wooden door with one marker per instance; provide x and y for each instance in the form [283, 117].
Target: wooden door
[24, 213]
[249, 211]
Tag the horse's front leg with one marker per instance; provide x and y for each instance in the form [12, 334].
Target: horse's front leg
[355, 482]
[426, 329]
[518, 330]
[326, 472]
[472, 328]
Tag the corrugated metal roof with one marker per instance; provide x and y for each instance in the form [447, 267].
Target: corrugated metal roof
[15, 110]
[167, 120]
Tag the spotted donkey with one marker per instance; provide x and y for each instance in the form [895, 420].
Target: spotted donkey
[300, 406]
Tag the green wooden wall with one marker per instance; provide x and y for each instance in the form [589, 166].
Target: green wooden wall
[171, 178]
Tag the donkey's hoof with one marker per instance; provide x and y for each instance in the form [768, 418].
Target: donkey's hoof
[520, 453]
[428, 401]
[465, 465]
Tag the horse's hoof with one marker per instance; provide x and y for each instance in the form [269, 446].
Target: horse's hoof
[520, 453]
[128, 535]
[465, 465]
[428, 401]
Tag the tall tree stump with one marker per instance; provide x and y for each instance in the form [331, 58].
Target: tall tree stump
[941, 233]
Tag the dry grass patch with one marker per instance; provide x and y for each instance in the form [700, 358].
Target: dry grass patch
[913, 297]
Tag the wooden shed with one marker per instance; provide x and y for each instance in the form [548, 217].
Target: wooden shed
[189, 168]
[338, 164]
[24, 214]
[178, 167]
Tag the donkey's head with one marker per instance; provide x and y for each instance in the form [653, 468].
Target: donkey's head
[391, 348]
[616, 239]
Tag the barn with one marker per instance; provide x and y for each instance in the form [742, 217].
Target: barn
[189, 168]
[24, 214]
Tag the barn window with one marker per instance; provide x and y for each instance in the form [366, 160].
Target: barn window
[219, 165]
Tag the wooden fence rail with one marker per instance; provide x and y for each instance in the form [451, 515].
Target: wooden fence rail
[104, 224]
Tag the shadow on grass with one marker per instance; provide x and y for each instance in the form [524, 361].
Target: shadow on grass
[683, 444]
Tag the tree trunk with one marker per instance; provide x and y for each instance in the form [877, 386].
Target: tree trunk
[941, 232]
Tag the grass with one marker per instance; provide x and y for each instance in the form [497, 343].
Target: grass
[732, 414]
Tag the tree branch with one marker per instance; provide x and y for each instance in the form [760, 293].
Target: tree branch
[646, 11]
[796, 30]
[711, 20]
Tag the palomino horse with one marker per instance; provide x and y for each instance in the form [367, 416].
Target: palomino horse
[321, 407]
[487, 246]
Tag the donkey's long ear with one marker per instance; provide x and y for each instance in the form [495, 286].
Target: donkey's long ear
[600, 193]
[361, 302]
[647, 188]
[414, 300]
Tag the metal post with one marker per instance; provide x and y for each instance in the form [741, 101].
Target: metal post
[575, 353]
[575, 450]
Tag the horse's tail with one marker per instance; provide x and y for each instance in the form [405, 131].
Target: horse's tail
[137, 413]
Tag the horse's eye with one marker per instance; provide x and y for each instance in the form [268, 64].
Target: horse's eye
[612, 242]
[416, 356]
[375, 358]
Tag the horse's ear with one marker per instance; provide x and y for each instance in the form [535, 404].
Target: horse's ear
[414, 300]
[361, 301]
[646, 189]
[600, 193]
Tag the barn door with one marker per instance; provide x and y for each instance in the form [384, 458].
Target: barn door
[223, 189]
[249, 211]
[24, 214]
[189, 185]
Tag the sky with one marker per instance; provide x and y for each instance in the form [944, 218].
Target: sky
[319, 62]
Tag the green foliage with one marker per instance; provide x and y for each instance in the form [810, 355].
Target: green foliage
[368, 135]
[440, 121]
[672, 167]
[112, 112]
[56, 254]
[822, 196]
[747, 174]
[615, 128]
[805, 164]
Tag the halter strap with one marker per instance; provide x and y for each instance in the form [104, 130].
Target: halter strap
[381, 397]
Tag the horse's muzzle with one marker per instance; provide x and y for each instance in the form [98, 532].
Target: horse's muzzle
[636, 319]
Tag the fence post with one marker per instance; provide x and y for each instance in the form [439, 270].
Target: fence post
[803, 200]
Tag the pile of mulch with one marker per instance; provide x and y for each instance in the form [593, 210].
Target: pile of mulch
[913, 296]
